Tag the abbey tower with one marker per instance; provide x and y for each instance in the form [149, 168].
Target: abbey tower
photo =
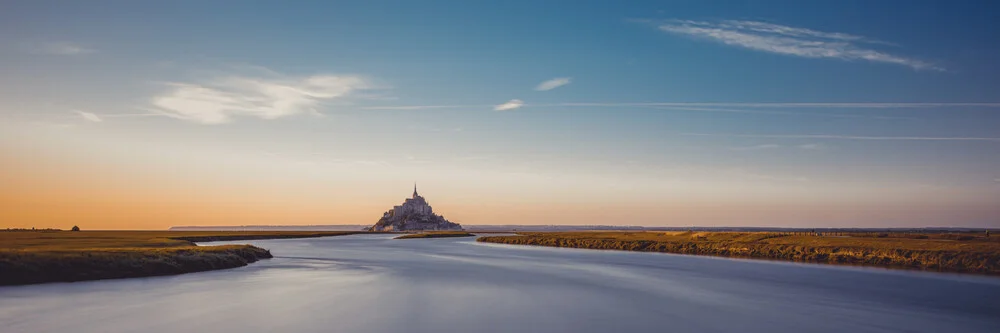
[414, 214]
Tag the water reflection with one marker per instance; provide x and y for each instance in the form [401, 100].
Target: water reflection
[371, 283]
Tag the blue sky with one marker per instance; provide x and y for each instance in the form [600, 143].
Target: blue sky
[845, 113]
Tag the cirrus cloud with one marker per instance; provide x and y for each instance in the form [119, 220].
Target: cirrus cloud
[811, 146]
[88, 116]
[792, 41]
[553, 83]
[220, 100]
[509, 105]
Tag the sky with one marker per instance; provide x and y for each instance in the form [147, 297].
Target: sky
[146, 115]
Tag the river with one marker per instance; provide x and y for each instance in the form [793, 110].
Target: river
[372, 283]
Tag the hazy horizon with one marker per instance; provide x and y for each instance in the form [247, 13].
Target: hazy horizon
[132, 115]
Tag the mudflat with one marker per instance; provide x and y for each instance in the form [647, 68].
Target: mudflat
[28, 257]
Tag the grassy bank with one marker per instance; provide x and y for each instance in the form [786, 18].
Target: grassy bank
[28, 257]
[436, 234]
[965, 254]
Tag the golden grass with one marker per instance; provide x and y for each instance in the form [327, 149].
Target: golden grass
[950, 253]
[436, 234]
[73, 240]
[64, 256]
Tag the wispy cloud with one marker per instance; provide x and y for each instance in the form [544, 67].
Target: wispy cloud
[553, 83]
[808, 146]
[766, 112]
[219, 100]
[757, 147]
[714, 107]
[792, 41]
[63, 48]
[424, 107]
[785, 105]
[509, 105]
[842, 137]
[777, 29]
[88, 116]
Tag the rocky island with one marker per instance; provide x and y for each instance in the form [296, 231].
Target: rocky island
[413, 215]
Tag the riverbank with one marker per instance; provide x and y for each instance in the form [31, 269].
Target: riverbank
[436, 234]
[28, 257]
[933, 252]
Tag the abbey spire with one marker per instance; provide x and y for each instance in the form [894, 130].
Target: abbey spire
[414, 214]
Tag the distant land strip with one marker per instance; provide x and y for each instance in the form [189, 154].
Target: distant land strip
[436, 234]
[29, 257]
[576, 227]
[943, 252]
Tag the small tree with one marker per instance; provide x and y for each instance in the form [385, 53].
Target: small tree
[75, 228]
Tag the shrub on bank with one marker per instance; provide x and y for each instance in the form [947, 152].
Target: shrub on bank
[966, 256]
[24, 267]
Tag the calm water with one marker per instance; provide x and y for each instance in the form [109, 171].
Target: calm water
[370, 283]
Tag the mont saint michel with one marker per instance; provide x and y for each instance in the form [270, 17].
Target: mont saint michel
[414, 214]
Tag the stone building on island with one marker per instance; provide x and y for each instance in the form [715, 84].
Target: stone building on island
[413, 215]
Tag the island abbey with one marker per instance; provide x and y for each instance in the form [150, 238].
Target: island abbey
[414, 214]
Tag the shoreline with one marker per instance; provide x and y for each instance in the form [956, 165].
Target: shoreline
[30, 267]
[945, 261]
[436, 234]
[46, 257]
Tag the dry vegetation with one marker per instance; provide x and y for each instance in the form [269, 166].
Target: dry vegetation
[964, 253]
[64, 256]
[436, 234]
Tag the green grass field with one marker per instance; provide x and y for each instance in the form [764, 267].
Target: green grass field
[64, 256]
[962, 253]
[436, 234]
